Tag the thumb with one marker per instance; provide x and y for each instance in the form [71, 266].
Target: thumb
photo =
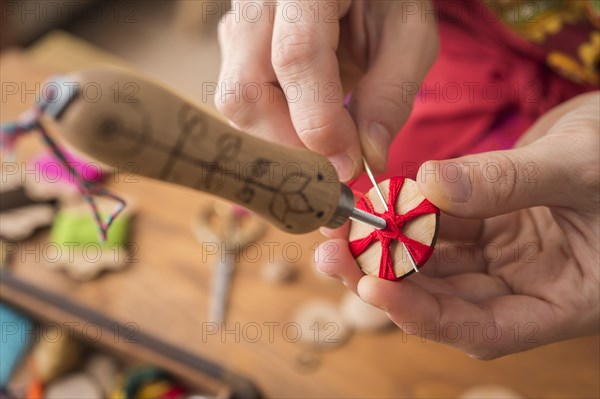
[494, 183]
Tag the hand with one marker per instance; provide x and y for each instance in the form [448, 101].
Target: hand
[294, 45]
[526, 275]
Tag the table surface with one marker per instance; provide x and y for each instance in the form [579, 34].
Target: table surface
[166, 295]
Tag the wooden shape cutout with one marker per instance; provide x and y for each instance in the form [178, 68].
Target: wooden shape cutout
[423, 229]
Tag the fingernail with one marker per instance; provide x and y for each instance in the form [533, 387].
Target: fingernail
[344, 165]
[321, 267]
[456, 184]
[325, 272]
[378, 306]
[326, 231]
[379, 139]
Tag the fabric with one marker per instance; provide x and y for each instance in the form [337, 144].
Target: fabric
[566, 30]
[487, 87]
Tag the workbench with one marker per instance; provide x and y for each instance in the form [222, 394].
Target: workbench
[156, 310]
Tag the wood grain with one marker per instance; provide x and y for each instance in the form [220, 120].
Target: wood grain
[123, 118]
[422, 229]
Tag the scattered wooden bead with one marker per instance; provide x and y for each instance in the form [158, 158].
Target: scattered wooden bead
[308, 361]
[278, 272]
[321, 325]
[362, 316]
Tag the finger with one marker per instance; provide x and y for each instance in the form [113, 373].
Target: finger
[382, 100]
[555, 170]
[450, 258]
[495, 183]
[482, 330]
[334, 259]
[247, 92]
[472, 287]
[305, 62]
[547, 121]
[340, 232]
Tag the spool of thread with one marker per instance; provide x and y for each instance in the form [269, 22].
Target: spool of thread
[278, 272]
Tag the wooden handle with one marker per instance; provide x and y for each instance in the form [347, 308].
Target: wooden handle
[125, 120]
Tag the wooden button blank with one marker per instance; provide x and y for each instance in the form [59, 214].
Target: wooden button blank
[422, 229]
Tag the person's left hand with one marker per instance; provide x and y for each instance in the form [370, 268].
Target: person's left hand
[517, 265]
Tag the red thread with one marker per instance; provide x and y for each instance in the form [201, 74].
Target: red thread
[393, 231]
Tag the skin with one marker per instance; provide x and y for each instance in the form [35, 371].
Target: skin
[525, 256]
[283, 50]
[548, 290]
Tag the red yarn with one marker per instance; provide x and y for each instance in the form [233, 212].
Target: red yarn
[393, 231]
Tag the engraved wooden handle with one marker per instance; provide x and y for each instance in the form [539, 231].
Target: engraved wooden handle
[120, 118]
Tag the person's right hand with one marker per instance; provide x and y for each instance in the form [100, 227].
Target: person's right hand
[284, 69]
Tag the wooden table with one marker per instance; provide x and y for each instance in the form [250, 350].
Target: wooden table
[165, 296]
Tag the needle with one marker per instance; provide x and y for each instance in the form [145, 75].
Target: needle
[412, 261]
[372, 178]
[385, 206]
[368, 219]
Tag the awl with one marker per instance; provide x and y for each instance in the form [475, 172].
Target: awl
[124, 120]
